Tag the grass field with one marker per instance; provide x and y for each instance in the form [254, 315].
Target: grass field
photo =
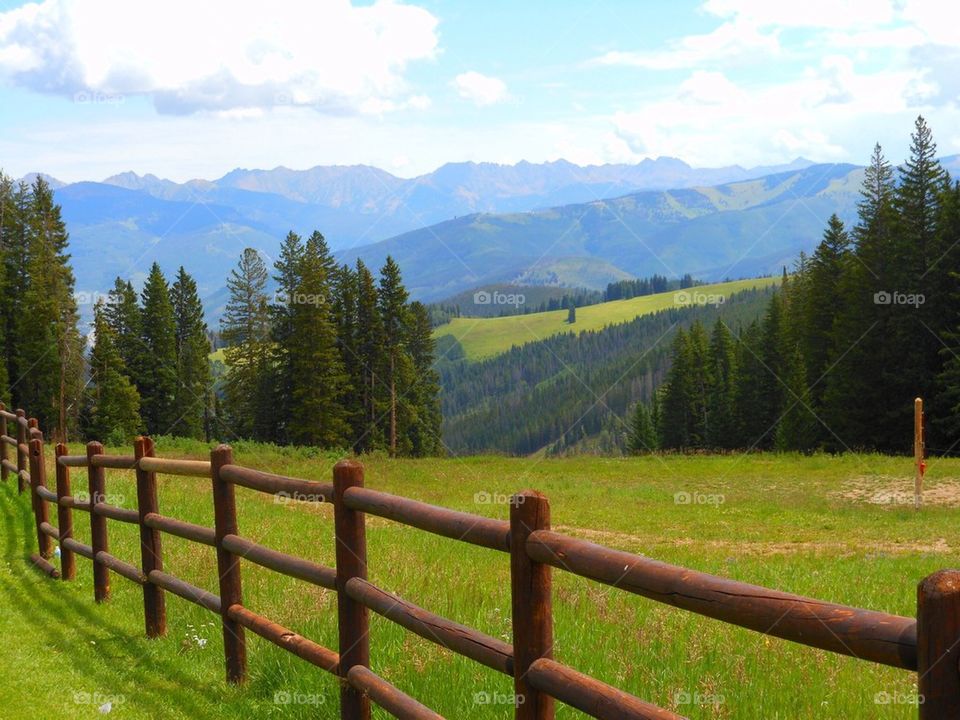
[837, 528]
[484, 337]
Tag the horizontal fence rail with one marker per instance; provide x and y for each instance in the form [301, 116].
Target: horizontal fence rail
[928, 644]
[868, 635]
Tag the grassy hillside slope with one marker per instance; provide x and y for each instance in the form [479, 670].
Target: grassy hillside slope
[486, 337]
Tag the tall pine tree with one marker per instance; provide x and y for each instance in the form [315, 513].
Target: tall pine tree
[157, 382]
[126, 320]
[284, 342]
[425, 424]
[392, 303]
[825, 275]
[245, 329]
[6, 207]
[320, 382]
[370, 358]
[643, 434]
[192, 398]
[113, 403]
[49, 346]
[723, 384]
[15, 219]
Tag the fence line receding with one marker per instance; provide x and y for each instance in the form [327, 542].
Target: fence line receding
[927, 645]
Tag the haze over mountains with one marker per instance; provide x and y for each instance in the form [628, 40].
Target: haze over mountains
[465, 224]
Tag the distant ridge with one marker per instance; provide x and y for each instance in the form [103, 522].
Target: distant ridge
[120, 226]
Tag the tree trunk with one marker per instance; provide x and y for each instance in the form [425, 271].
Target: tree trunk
[393, 408]
[61, 434]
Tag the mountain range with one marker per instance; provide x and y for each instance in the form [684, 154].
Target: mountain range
[740, 229]
[464, 224]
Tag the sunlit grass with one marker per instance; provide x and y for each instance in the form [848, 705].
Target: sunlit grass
[484, 337]
[817, 526]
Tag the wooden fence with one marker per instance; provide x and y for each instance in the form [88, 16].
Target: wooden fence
[927, 644]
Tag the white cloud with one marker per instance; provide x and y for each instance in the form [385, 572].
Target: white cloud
[865, 23]
[730, 41]
[220, 54]
[809, 13]
[939, 20]
[480, 89]
[750, 30]
[711, 120]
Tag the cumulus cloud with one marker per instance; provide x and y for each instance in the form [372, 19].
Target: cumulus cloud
[938, 20]
[810, 13]
[751, 29]
[730, 41]
[480, 89]
[221, 55]
[710, 117]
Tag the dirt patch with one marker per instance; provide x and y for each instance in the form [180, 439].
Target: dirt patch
[897, 492]
[647, 545]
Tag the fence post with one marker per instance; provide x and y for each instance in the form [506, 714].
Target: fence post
[98, 524]
[21, 456]
[68, 564]
[3, 446]
[151, 558]
[352, 616]
[38, 473]
[938, 645]
[228, 566]
[531, 588]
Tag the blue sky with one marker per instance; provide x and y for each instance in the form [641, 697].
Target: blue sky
[185, 89]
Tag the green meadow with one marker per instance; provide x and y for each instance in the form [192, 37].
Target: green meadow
[485, 337]
[837, 528]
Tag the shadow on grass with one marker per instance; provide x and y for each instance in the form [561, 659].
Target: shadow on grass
[59, 621]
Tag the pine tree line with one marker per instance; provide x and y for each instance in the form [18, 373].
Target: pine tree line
[335, 357]
[43, 363]
[626, 289]
[444, 312]
[149, 364]
[866, 324]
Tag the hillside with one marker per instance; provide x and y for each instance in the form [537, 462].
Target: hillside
[485, 337]
[570, 387]
[741, 229]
